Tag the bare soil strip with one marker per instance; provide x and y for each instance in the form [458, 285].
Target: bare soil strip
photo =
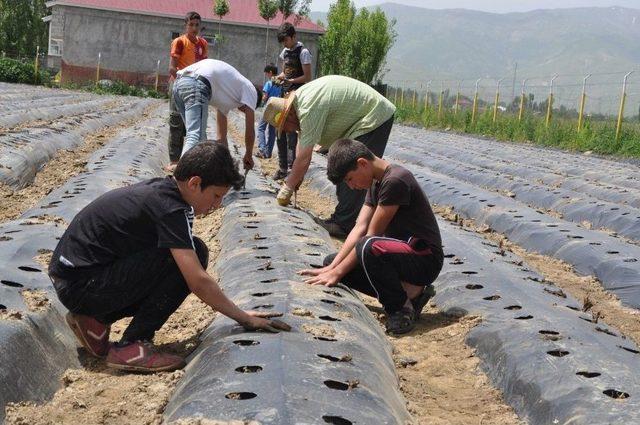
[64, 165]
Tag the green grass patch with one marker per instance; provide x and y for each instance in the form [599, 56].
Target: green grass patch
[596, 136]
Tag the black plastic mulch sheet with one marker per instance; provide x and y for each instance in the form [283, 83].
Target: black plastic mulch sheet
[53, 112]
[550, 165]
[39, 347]
[553, 362]
[615, 263]
[574, 206]
[334, 367]
[24, 153]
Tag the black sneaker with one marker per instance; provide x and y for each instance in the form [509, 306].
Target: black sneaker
[422, 300]
[332, 227]
[280, 175]
[401, 322]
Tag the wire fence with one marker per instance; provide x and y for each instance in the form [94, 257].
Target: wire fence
[610, 96]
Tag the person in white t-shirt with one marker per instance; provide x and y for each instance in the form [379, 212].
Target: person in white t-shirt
[215, 82]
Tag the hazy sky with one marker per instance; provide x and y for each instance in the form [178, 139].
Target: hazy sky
[499, 6]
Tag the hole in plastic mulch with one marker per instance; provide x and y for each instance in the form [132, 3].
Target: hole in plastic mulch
[558, 353]
[631, 350]
[605, 331]
[588, 374]
[336, 385]
[527, 317]
[11, 283]
[618, 395]
[335, 293]
[324, 338]
[263, 257]
[492, 298]
[329, 319]
[473, 286]
[5, 238]
[258, 248]
[313, 254]
[334, 359]
[246, 342]
[469, 272]
[3, 307]
[250, 227]
[240, 396]
[316, 266]
[268, 280]
[336, 420]
[249, 369]
[329, 302]
[29, 269]
[570, 307]
[265, 306]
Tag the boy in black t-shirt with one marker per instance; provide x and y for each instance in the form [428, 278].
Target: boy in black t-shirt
[131, 253]
[394, 252]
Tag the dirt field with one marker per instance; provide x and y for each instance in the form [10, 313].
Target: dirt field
[65, 164]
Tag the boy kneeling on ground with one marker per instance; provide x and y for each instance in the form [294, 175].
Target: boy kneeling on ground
[131, 253]
[394, 252]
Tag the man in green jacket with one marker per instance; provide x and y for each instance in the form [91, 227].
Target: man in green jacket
[323, 111]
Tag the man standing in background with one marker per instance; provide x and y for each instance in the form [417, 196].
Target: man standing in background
[186, 50]
[295, 62]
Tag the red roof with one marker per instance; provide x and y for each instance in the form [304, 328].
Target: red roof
[240, 11]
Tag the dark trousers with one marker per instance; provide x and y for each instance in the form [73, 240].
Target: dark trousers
[287, 143]
[177, 130]
[350, 201]
[147, 286]
[384, 263]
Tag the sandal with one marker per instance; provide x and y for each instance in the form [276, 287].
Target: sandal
[421, 300]
[401, 322]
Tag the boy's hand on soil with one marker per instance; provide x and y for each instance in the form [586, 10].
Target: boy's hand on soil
[256, 322]
[328, 278]
[314, 272]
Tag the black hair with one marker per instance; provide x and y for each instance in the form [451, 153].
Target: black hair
[343, 158]
[192, 15]
[271, 68]
[259, 91]
[286, 30]
[211, 162]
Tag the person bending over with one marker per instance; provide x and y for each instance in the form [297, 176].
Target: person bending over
[132, 253]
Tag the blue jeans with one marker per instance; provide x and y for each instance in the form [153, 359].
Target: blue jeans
[266, 146]
[192, 101]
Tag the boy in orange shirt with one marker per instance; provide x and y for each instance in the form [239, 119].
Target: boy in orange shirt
[186, 50]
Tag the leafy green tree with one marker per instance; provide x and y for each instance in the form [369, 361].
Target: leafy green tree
[268, 10]
[300, 8]
[356, 45]
[21, 27]
[220, 9]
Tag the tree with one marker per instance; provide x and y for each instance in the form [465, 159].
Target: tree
[356, 45]
[220, 9]
[21, 27]
[300, 8]
[268, 10]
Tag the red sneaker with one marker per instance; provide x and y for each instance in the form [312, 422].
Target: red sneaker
[93, 335]
[142, 357]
